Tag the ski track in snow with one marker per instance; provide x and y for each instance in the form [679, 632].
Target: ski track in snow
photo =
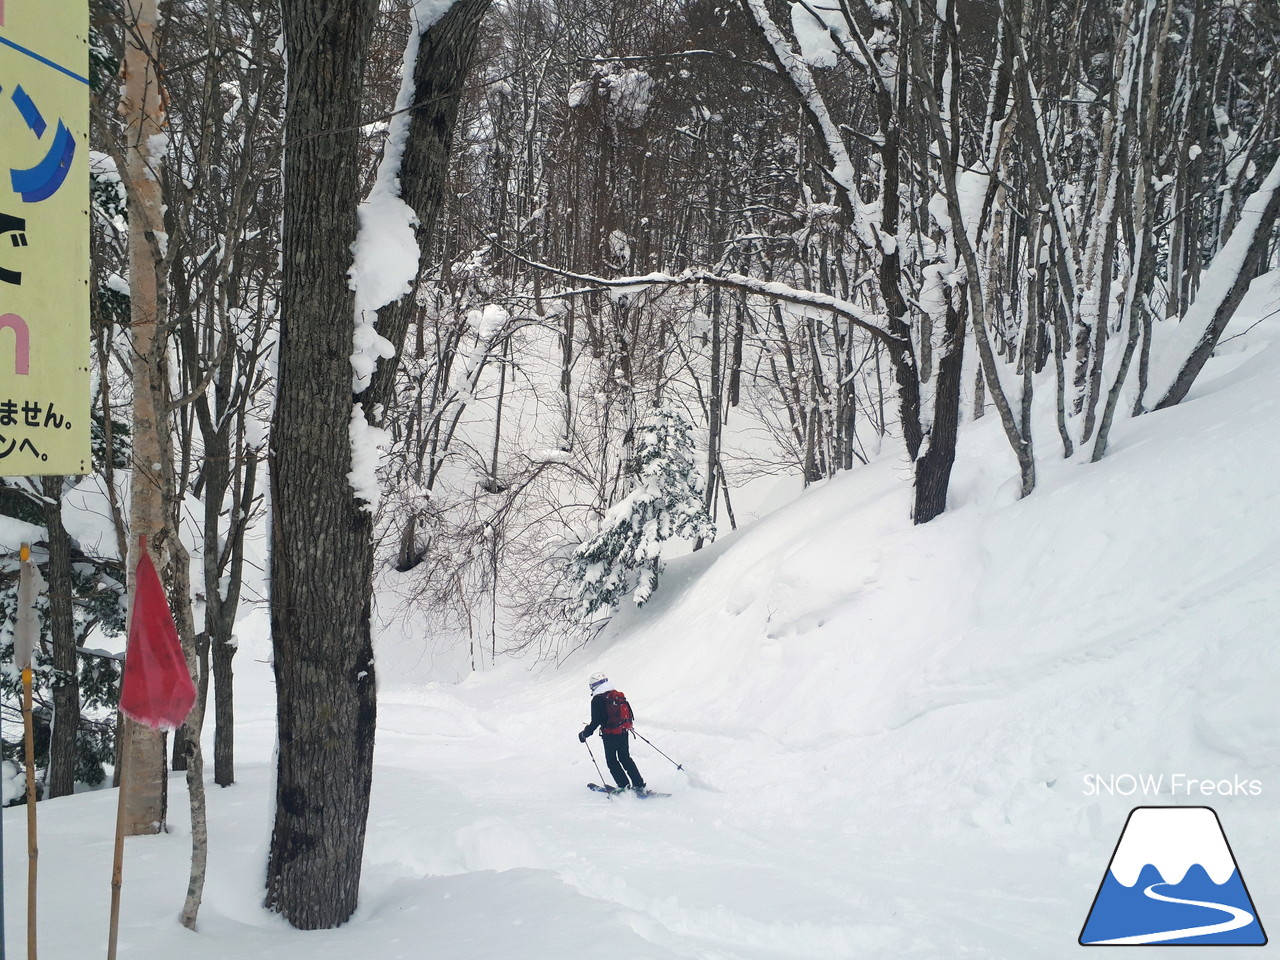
[1239, 918]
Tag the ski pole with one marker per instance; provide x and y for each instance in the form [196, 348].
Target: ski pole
[593, 759]
[679, 766]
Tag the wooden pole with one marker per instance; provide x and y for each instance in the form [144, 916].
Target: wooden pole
[117, 865]
[25, 624]
[125, 732]
[2, 951]
[33, 852]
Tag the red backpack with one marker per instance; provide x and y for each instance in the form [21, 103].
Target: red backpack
[617, 713]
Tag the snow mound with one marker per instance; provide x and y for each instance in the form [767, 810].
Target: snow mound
[889, 737]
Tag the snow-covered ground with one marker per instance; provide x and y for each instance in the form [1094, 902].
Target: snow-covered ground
[887, 732]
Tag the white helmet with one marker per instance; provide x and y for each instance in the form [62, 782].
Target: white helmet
[597, 680]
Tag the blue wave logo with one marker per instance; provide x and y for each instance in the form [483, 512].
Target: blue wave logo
[1173, 880]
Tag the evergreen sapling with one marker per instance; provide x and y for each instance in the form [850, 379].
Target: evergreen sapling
[625, 556]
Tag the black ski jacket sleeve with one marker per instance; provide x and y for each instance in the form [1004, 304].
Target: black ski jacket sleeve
[597, 715]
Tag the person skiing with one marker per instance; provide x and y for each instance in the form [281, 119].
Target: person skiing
[612, 714]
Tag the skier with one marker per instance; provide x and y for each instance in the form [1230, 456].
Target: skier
[612, 714]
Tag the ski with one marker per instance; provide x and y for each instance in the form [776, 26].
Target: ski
[599, 788]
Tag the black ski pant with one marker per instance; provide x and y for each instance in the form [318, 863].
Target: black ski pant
[617, 754]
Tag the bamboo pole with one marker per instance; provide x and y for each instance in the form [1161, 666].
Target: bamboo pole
[117, 865]
[124, 731]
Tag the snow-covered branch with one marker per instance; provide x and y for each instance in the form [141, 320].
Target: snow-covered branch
[873, 323]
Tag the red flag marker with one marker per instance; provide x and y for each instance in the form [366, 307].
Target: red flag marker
[157, 690]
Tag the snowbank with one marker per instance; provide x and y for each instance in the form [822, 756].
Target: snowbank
[896, 741]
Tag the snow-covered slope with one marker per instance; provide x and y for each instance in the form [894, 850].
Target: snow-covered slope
[897, 741]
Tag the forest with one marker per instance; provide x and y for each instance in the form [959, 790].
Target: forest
[473, 313]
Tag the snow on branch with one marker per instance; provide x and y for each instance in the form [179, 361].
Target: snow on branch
[874, 323]
[1184, 351]
[385, 258]
[798, 71]
[681, 55]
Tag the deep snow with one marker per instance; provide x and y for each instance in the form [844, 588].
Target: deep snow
[886, 730]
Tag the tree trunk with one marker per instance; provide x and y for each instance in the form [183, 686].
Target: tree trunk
[200, 677]
[142, 105]
[441, 67]
[933, 467]
[715, 394]
[178, 578]
[60, 779]
[566, 377]
[199, 827]
[224, 743]
[222, 647]
[146, 793]
[321, 546]
[1247, 254]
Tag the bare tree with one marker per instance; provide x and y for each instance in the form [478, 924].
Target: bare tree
[321, 538]
[322, 535]
[224, 212]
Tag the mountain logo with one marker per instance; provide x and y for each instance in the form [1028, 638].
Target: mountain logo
[1172, 880]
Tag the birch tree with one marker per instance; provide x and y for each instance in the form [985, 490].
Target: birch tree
[144, 143]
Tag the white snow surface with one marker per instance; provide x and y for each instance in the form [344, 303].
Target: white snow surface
[427, 12]
[385, 259]
[885, 729]
[1172, 840]
[817, 46]
[385, 253]
[367, 442]
[385, 262]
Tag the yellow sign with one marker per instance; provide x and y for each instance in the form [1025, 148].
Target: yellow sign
[44, 237]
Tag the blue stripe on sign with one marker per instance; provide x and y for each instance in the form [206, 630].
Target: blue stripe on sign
[43, 180]
[30, 112]
[45, 60]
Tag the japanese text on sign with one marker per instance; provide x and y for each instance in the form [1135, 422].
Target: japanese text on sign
[44, 238]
